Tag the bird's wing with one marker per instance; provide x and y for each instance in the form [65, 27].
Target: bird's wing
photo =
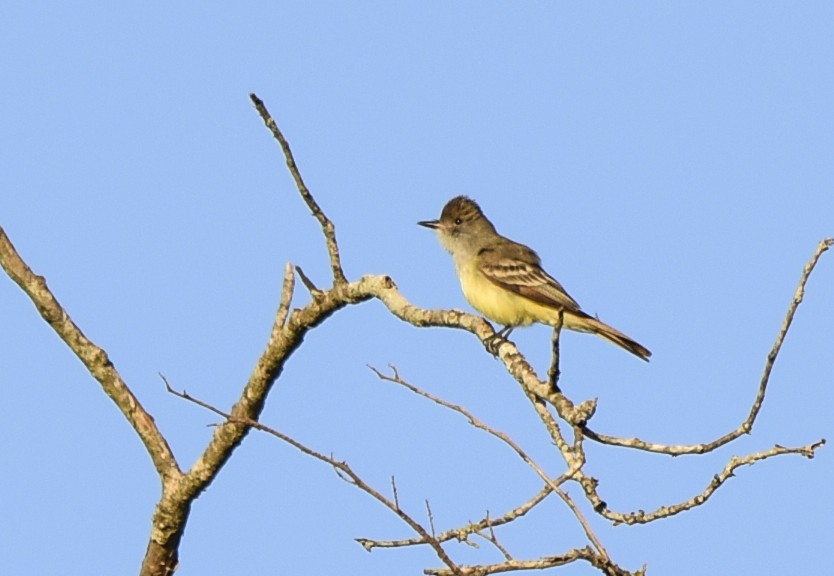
[525, 276]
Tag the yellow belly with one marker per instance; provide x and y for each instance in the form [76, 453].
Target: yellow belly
[500, 305]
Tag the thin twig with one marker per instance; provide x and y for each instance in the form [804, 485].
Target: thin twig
[431, 519]
[642, 517]
[311, 287]
[341, 466]
[493, 539]
[394, 492]
[327, 226]
[586, 554]
[553, 483]
[553, 373]
[462, 534]
[746, 426]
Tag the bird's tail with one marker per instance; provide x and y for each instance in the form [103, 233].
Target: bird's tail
[582, 322]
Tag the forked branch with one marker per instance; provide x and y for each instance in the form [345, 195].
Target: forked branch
[747, 426]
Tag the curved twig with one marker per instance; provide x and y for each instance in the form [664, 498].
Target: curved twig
[746, 426]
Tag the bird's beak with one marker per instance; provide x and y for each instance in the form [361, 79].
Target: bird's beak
[433, 224]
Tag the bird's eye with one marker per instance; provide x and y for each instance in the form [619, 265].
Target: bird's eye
[458, 221]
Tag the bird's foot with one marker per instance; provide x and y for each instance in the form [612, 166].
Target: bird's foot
[493, 343]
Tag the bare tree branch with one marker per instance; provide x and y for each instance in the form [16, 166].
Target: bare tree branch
[311, 287]
[746, 426]
[462, 534]
[553, 373]
[93, 357]
[641, 517]
[326, 225]
[598, 559]
[340, 466]
[284, 304]
[493, 539]
[162, 554]
[586, 554]
[525, 457]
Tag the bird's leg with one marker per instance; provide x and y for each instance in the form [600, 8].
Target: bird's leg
[493, 342]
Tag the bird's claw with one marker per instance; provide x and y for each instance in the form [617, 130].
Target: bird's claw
[493, 343]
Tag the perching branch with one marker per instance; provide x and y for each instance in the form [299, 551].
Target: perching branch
[576, 416]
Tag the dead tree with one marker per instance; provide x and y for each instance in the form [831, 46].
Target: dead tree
[567, 424]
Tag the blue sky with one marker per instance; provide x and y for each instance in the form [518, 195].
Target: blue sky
[671, 163]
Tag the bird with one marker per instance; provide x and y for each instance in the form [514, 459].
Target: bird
[504, 280]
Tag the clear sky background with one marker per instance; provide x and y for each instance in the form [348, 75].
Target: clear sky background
[672, 163]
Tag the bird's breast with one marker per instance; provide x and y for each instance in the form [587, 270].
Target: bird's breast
[496, 303]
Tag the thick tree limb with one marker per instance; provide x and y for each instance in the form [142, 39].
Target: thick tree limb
[93, 357]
